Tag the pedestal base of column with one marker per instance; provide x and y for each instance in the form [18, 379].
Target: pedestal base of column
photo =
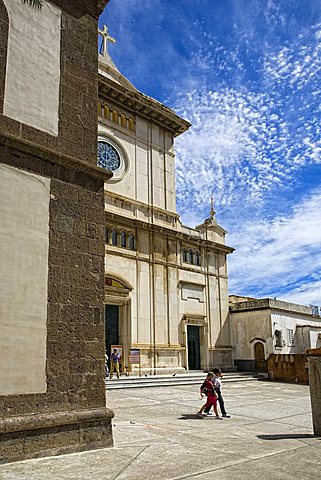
[56, 433]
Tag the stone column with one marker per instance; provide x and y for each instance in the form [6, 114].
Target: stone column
[52, 217]
[314, 360]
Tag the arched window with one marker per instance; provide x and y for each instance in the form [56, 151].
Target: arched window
[106, 235]
[4, 32]
[190, 256]
[184, 255]
[107, 112]
[115, 116]
[114, 237]
[123, 120]
[123, 239]
[131, 241]
[196, 258]
[131, 124]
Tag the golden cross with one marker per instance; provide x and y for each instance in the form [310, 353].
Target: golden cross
[106, 38]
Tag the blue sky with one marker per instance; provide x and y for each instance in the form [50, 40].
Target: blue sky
[247, 75]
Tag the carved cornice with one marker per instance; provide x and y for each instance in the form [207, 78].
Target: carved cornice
[140, 104]
[167, 231]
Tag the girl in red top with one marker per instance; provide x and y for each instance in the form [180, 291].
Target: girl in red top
[207, 388]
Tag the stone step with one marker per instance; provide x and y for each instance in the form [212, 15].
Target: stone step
[195, 378]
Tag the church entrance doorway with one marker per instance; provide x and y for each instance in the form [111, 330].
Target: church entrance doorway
[259, 357]
[193, 345]
[118, 317]
[111, 326]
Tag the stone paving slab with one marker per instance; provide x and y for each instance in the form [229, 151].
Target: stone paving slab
[285, 466]
[158, 437]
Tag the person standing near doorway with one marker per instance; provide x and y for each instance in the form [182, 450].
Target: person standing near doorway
[114, 363]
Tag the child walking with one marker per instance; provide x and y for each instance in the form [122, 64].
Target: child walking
[218, 389]
[208, 389]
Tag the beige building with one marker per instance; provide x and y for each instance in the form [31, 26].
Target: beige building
[166, 284]
[266, 326]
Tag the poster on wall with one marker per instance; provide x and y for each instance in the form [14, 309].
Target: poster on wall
[134, 356]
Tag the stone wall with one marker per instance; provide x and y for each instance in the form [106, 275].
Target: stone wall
[288, 368]
[75, 323]
[77, 128]
[68, 413]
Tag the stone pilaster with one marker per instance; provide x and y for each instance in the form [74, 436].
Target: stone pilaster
[67, 411]
[314, 359]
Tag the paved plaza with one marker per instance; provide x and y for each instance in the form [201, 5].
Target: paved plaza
[158, 436]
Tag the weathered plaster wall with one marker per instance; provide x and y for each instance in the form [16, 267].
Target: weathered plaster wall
[24, 241]
[4, 33]
[247, 326]
[33, 65]
[285, 321]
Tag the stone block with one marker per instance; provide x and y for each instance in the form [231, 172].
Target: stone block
[96, 246]
[91, 230]
[80, 228]
[63, 190]
[64, 223]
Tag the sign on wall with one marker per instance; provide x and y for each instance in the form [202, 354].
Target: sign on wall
[134, 356]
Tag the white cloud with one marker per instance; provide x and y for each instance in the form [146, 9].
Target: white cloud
[234, 148]
[281, 255]
[249, 146]
[245, 142]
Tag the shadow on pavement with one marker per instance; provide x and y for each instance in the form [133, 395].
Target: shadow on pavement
[287, 436]
[191, 416]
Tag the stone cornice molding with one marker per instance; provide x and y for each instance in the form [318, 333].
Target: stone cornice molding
[226, 348]
[142, 105]
[187, 282]
[157, 346]
[36, 150]
[273, 304]
[166, 231]
[93, 7]
[151, 208]
[194, 316]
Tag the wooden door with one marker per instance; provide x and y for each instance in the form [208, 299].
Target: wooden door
[259, 357]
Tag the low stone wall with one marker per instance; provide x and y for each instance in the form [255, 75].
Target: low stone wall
[288, 368]
[39, 435]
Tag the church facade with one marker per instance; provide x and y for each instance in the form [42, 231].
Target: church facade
[165, 284]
